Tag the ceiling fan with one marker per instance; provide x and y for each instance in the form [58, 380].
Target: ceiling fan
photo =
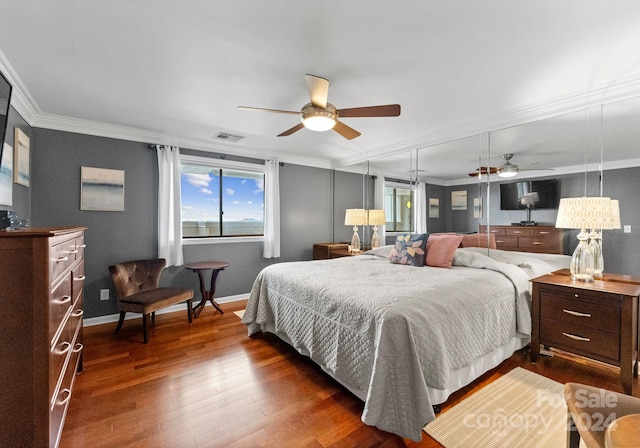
[319, 115]
[508, 169]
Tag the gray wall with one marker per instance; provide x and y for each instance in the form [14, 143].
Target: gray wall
[312, 210]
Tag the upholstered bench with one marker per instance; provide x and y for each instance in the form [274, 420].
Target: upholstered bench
[136, 284]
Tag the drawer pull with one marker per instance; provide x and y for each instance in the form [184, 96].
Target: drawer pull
[66, 399]
[80, 279]
[537, 243]
[73, 251]
[517, 231]
[82, 246]
[62, 259]
[77, 313]
[544, 233]
[499, 241]
[576, 295]
[64, 350]
[577, 338]
[78, 348]
[577, 313]
[63, 300]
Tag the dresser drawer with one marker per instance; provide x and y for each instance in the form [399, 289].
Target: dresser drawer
[518, 231]
[506, 241]
[538, 244]
[586, 341]
[60, 301]
[63, 395]
[497, 231]
[62, 347]
[587, 314]
[61, 256]
[546, 232]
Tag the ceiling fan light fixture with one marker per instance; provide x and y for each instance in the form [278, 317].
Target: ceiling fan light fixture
[319, 119]
[508, 170]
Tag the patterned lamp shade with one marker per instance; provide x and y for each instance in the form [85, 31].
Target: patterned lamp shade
[377, 217]
[615, 215]
[355, 217]
[585, 213]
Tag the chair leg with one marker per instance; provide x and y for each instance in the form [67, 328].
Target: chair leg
[189, 311]
[573, 436]
[144, 328]
[122, 313]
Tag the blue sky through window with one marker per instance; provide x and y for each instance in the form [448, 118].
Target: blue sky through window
[242, 198]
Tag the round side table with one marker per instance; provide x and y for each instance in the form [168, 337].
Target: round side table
[207, 295]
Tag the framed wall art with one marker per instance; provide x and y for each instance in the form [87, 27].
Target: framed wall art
[434, 208]
[459, 200]
[101, 189]
[477, 207]
[21, 158]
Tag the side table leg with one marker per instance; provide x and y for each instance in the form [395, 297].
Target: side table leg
[199, 307]
[212, 291]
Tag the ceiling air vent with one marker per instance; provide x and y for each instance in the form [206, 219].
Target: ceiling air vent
[228, 137]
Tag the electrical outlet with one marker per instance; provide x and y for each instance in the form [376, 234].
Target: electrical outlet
[104, 294]
[627, 229]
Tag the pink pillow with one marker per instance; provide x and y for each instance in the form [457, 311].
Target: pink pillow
[478, 240]
[440, 250]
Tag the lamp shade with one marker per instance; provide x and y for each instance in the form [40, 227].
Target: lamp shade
[377, 217]
[615, 215]
[355, 217]
[584, 213]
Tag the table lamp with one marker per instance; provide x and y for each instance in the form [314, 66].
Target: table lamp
[355, 217]
[376, 218]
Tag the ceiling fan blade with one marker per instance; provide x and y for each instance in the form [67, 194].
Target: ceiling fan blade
[261, 109]
[346, 131]
[292, 130]
[484, 170]
[388, 110]
[318, 90]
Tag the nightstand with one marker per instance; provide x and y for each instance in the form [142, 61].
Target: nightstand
[596, 320]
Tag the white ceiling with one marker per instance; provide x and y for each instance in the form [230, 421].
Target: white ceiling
[174, 72]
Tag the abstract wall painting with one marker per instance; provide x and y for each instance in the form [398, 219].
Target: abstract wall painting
[101, 189]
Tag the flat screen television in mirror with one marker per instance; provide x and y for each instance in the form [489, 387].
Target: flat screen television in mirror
[5, 102]
[532, 194]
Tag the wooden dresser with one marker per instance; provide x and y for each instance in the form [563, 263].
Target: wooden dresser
[597, 320]
[544, 239]
[42, 280]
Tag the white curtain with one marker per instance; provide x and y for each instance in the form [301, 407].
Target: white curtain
[169, 205]
[271, 209]
[420, 215]
[378, 199]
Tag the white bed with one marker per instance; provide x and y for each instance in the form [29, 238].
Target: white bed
[401, 338]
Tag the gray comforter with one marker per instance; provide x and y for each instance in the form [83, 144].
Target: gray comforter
[389, 332]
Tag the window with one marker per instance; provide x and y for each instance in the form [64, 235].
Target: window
[398, 207]
[221, 198]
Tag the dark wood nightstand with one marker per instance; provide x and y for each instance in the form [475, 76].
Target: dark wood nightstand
[596, 320]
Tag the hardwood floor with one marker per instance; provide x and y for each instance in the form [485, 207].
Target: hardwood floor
[209, 385]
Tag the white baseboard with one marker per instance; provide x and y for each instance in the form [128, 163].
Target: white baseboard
[179, 307]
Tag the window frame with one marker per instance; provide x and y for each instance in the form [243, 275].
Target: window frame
[219, 164]
[405, 186]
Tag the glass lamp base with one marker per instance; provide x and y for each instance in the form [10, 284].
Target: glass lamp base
[355, 240]
[375, 239]
[582, 260]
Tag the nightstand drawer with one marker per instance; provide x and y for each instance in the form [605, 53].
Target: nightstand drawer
[580, 339]
[604, 318]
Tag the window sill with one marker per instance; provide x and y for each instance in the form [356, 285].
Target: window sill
[222, 240]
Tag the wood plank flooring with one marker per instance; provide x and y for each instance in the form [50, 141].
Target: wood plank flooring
[209, 385]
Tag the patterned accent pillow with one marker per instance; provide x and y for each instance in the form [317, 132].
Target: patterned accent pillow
[409, 249]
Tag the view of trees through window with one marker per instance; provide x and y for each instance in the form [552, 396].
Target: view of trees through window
[398, 208]
[221, 202]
